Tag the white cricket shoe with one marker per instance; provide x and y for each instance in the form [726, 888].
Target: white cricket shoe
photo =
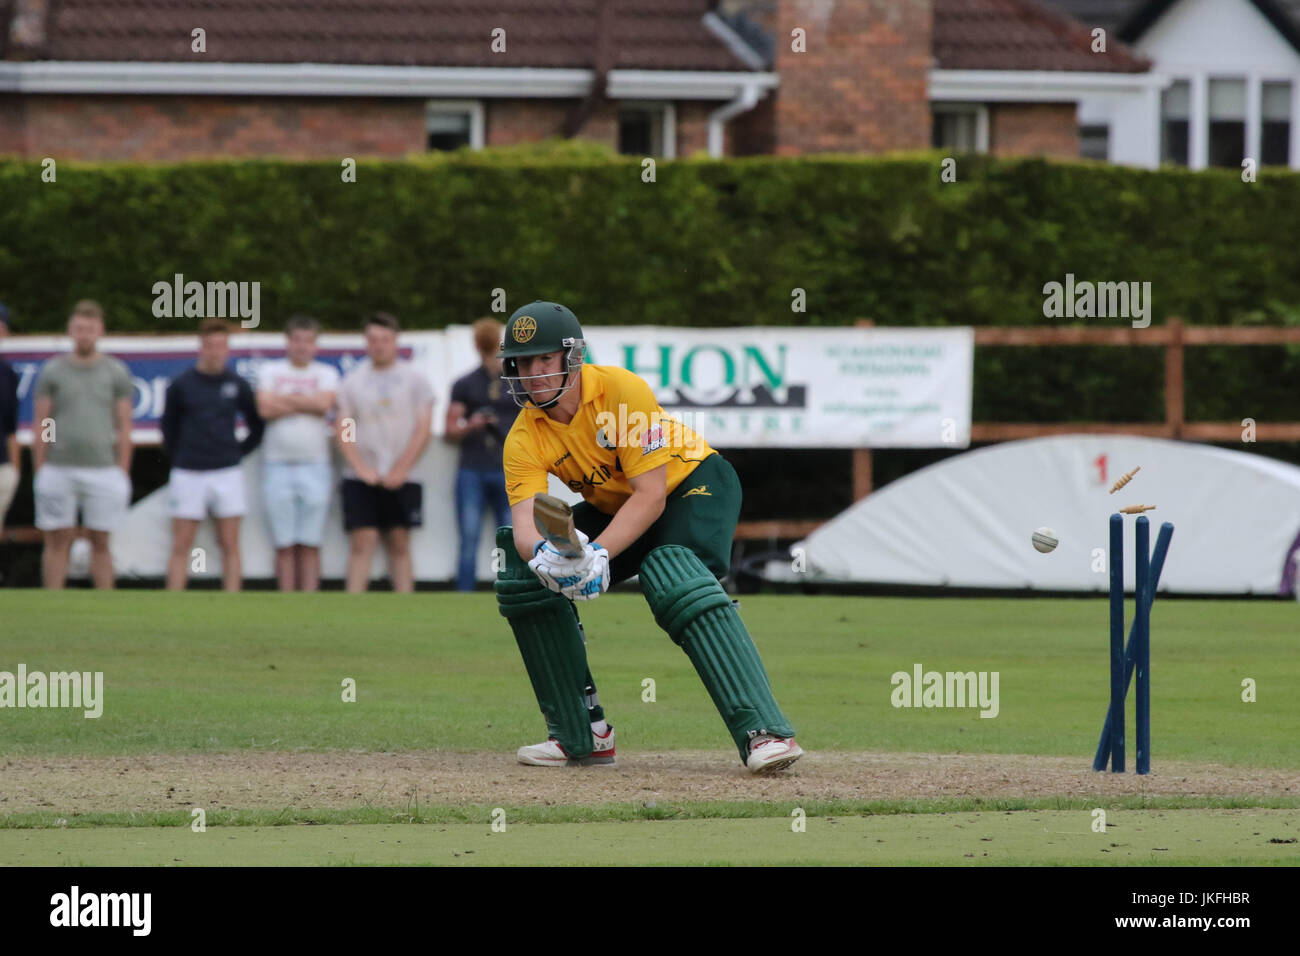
[551, 754]
[768, 754]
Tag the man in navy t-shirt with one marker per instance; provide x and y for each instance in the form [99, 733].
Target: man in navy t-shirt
[479, 416]
[198, 426]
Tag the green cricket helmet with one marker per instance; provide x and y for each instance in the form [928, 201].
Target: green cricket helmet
[539, 328]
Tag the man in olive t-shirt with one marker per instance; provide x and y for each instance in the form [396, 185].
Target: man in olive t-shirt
[81, 449]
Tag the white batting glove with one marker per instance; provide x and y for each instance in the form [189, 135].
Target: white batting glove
[553, 569]
[595, 580]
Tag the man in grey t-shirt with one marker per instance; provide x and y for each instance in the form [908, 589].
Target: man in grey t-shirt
[81, 448]
[385, 412]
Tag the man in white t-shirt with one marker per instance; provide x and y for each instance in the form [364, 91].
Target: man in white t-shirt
[294, 395]
[384, 417]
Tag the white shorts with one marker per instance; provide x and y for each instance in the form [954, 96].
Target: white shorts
[297, 501]
[8, 485]
[192, 494]
[103, 494]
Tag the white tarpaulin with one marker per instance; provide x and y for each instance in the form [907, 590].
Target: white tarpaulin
[967, 521]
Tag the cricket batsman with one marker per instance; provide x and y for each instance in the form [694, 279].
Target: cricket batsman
[658, 502]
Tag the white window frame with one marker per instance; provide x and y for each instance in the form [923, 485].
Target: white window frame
[1257, 81]
[1252, 102]
[981, 111]
[1158, 109]
[667, 110]
[1108, 127]
[1199, 122]
[473, 107]
[1295, 122]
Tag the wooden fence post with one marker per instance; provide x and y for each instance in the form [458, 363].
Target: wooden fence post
[1175, 403]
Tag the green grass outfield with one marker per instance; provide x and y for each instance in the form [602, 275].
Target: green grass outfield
[208, 672]
[1143, 837]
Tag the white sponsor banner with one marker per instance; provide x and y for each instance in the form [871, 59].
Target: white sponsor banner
[810, 388]
[740, 388]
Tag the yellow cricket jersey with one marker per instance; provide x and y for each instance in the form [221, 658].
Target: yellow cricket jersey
[618, 432]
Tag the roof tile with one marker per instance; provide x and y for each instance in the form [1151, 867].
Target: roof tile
[647, 34]
[1021, 35]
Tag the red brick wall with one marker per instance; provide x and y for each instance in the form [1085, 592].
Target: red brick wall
[189, 127]
[1034, 129]
[754, 132]
[861, 85]
[528, 120]
[13, 126]
[693, 126]
[169, 128]
[509, 122]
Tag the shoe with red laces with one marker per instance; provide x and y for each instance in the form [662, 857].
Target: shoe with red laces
[551, 754]
[769, 754]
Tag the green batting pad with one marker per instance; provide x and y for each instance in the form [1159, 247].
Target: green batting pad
[689, 603]
[545, 625]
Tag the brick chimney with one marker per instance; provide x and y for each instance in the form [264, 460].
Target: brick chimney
[859, 86]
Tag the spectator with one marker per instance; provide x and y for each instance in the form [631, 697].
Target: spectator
[479, 416]
[294, 395]
[81, 449]
[9, 460]
[384, 415]
[198, 427]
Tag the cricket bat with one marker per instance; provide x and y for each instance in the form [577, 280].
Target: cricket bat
[554, 521]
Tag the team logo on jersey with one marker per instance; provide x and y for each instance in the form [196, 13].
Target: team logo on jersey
[653, 439]
[525, 328]
[602, 439]
[702, 490]
[229, 390]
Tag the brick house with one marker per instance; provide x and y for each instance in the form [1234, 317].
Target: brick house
[171, 79]
[999, 76]
[1228, 77]
[1009, 76]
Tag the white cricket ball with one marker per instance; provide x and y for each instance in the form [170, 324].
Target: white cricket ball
[1044, 540]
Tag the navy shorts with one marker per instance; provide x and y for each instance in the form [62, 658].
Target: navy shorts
[372, 506]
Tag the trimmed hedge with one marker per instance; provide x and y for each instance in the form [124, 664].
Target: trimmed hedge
[708, 243]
